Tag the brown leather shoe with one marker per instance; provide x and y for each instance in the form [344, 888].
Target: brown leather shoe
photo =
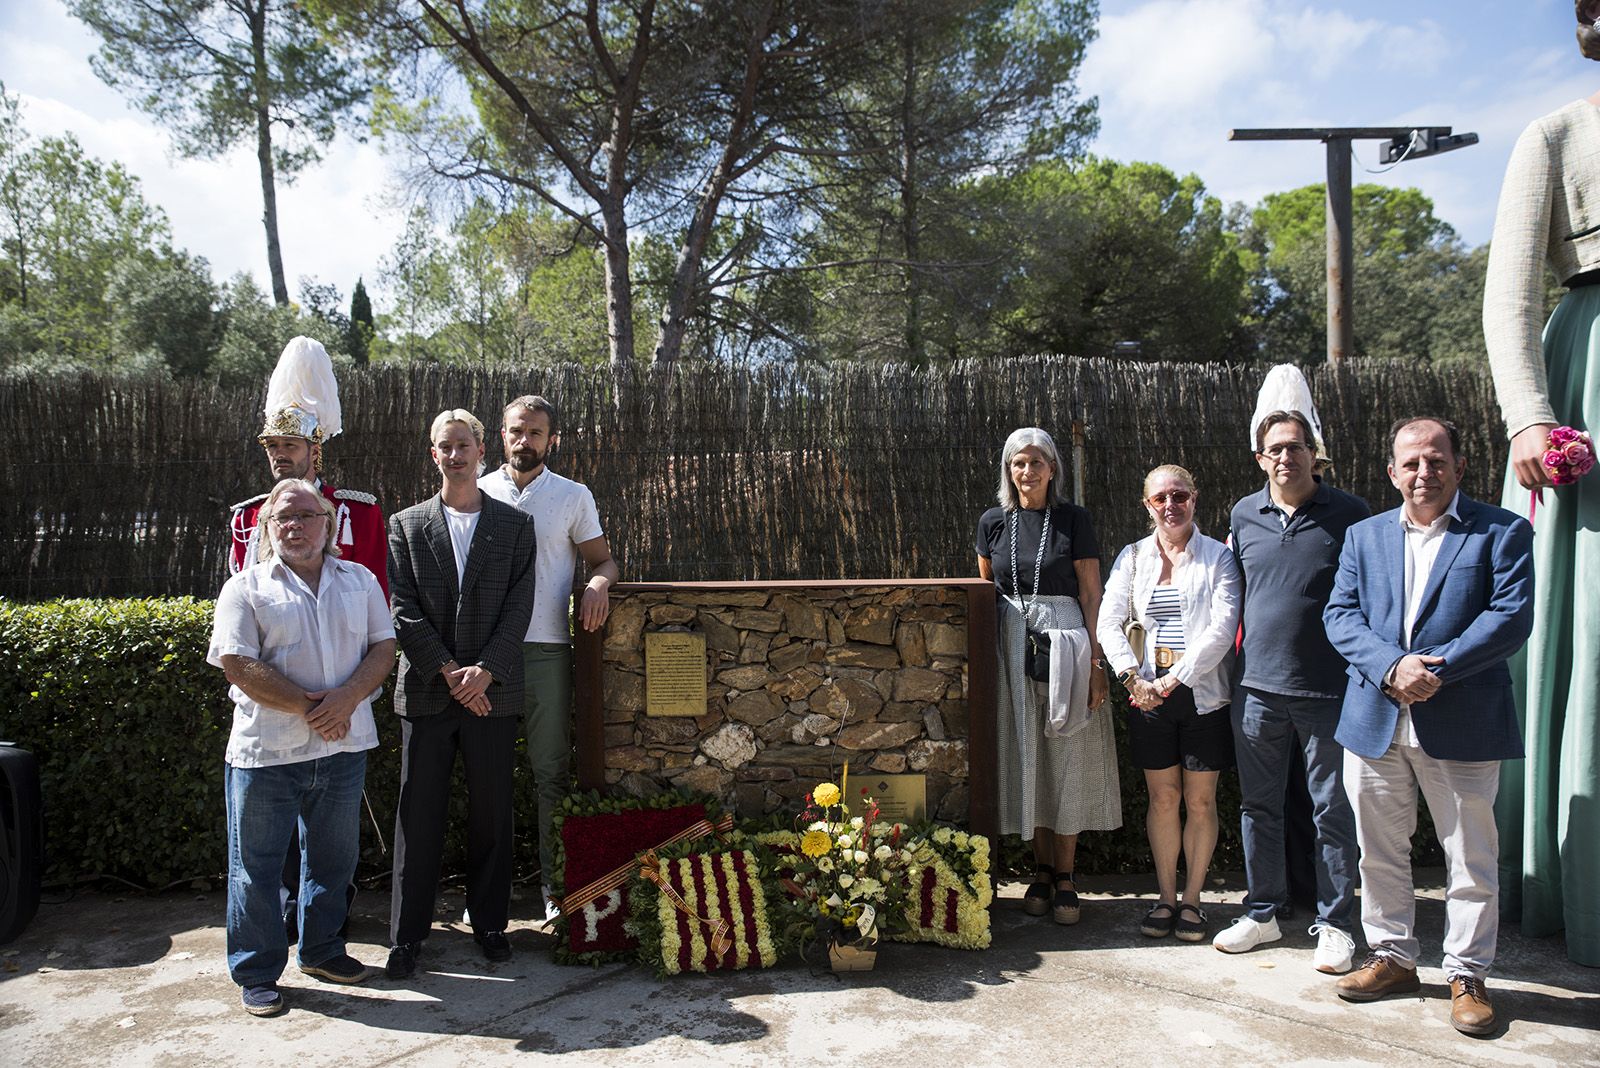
[1378, 976]
[1470, 1011]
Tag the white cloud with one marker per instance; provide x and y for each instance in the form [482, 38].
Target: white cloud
[331, 220]
[1173, 78]
[1175, 54]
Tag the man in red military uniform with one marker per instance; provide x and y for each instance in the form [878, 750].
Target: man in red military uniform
[302, 412]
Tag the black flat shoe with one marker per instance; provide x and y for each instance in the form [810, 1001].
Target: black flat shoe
[494, 944]
[1158, 921]
[403, 960]
[1064, 909]
[1036, 900]
[1188, 930]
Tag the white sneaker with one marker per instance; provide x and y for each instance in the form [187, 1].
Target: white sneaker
[1335, 950]
[1246, 934]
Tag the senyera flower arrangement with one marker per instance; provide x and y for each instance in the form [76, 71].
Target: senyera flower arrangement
[850, 873]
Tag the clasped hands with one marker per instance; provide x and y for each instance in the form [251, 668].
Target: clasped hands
[1147, 696]
[469, 686]
[1411, 682]
[331, 711]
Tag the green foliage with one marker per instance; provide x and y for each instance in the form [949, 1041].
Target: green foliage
[1418, 289]
[359, 340]
[210, 70]
[959, 89]
[68, 224]
[1075, 257]
[515, 284]
[128, 723]
[255, 331]
[167, 307]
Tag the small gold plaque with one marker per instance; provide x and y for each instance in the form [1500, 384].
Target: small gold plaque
[674, 674]
[900, 798]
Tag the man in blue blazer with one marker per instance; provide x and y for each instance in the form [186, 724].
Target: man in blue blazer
[1429, 601]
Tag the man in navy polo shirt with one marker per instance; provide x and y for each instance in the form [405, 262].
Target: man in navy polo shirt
[1287, 539]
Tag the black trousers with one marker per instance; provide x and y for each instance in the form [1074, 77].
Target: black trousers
[429, 744]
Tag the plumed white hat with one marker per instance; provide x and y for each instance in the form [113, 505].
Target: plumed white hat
[303, 397]
[1286, 390]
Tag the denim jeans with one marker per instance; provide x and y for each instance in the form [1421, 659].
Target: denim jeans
[265, 805]
[1265, 725]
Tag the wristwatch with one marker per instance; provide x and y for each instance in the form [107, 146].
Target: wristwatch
[1127, 677]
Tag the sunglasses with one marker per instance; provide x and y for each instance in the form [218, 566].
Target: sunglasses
[1176, 497]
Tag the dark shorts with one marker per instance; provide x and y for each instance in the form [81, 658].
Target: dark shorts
[1177, 734]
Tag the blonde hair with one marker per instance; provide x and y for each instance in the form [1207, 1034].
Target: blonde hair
[455, 415]
[1025, 437]
[1171, 471]
[266, 549]
[464, 417]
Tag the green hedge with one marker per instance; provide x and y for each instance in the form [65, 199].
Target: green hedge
[129, 724]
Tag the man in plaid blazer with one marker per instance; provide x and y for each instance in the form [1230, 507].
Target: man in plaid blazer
[461, 580]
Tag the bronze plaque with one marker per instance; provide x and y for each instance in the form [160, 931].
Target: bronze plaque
[900, 798]
[674, 674]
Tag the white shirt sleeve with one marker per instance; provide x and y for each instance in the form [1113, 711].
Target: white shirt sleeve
[1114, 613]
[585, 519]
[380, 624]
[234, 631]
[1208, 645]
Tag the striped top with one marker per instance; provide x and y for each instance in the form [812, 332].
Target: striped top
[1166, 613]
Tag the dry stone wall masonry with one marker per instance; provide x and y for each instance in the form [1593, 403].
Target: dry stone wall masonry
[799, 680]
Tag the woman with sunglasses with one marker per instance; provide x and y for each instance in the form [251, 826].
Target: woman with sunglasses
[1184, 589]
[1547, 375]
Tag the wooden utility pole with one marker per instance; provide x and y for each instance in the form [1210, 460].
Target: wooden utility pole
[1406, 142]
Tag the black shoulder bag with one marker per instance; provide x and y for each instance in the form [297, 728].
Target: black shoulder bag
[1036, 643]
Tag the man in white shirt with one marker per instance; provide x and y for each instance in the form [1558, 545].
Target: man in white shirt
[568, 526]
[306, 641]
[1429, 601]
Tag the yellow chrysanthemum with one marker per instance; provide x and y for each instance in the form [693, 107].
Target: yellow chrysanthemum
[825, 794]
[815, 843]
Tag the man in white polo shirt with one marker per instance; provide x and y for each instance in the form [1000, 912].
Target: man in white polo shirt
[567, 526]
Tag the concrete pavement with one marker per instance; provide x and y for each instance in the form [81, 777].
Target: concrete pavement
[135, 981]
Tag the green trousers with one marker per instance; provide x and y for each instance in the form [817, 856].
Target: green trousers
[547, 725]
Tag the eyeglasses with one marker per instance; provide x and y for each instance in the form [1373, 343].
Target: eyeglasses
[1175, 496]
[1287, 448]
[296, 519]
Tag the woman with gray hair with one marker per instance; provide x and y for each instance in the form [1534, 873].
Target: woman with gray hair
[1057, 755]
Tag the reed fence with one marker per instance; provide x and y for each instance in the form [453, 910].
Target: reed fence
[121, 488]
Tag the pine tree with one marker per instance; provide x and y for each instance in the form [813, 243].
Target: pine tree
[360, 322]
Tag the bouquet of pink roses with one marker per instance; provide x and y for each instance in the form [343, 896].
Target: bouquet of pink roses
[1568, 456]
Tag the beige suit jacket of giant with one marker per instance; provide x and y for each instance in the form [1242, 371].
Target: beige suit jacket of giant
[1549, 213]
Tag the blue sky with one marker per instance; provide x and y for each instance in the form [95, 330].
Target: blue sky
[1172, 77]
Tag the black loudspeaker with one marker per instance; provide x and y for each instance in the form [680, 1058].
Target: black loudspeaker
[21, 840]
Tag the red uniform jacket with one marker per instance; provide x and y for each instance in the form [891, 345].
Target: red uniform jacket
[359, 533]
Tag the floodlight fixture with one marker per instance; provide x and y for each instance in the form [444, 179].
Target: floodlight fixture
[1424, 141]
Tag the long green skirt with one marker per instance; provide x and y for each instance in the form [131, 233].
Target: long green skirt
[1549, 805]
